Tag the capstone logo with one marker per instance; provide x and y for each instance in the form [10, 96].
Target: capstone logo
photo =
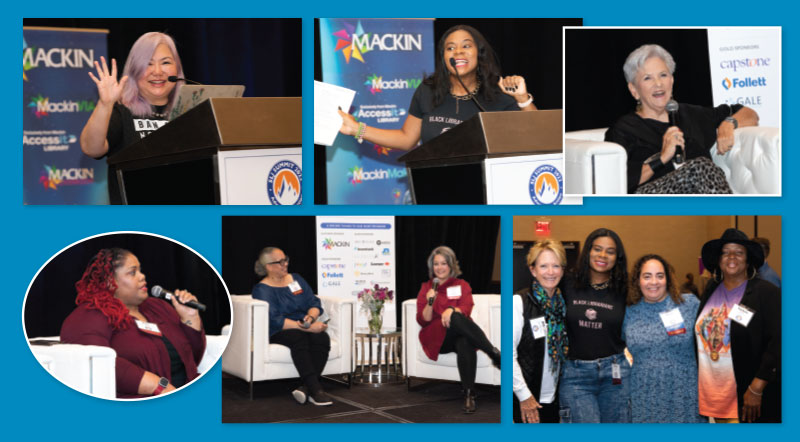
[332, 266]
[738, 83]
[377, 84]
[52, 177]
[357, 174]
[744, 63]
[354, 42]
[42, 106]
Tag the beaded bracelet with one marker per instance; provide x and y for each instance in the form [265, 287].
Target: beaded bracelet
[359, 136]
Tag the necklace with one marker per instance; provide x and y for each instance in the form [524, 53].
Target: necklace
[468, 96]
[601, 286]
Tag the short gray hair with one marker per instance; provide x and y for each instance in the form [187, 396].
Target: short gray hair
[640, 55]
[449, 256]
[263, 259]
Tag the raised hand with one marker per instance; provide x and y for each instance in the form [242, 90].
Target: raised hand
[514, 85]
[108, 88]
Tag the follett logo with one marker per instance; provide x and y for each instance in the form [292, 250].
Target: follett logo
[52, 177]
[283, 184]
[354, 42]
[546, 185]
[42, 106]
[738, 83]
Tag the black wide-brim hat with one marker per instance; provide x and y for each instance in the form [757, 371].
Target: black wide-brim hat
[713, 249]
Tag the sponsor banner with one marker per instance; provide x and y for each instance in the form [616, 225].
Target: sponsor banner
[354, 253]
[384, 61]
[261, 176]
[57, 98]
[746, 69]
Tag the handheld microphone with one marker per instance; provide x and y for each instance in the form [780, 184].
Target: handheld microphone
[435, 284]
[672, 110]
[175, 79]
[158, 292]
[458, 77]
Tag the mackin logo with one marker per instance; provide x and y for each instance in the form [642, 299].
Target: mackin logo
[354, 42]
[357, 174]
[42, 106]
[546, 185]
[52, 177]
[329, 244]
[283, 184]
[376, 84]
[33, 57]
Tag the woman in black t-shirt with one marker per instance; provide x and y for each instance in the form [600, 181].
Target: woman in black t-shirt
[136, 105]
[595, 383]
[441, 101]
[663, 158]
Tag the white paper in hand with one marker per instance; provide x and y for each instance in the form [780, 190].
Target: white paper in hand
[328, 98]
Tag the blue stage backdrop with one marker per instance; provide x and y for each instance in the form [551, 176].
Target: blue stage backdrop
[57, 98]
[383, 60]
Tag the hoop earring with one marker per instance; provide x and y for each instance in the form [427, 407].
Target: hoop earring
[755, 272]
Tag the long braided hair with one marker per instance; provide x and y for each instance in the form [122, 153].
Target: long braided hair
[96, 287]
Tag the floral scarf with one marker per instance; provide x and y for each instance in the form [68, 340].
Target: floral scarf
[555, 313]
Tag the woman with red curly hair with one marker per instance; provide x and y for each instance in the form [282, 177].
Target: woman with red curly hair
[158, 346]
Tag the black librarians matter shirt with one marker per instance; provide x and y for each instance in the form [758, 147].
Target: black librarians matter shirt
[594, 322]
[125, 129]
[449, 114]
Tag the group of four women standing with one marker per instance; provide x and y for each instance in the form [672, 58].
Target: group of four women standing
[589, 348]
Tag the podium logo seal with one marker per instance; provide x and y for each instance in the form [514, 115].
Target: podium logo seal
[283, 184]
[546, 185]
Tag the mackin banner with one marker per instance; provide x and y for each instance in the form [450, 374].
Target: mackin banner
[383, 60]
[57, 98]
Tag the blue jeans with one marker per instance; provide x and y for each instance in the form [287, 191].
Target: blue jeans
[587, 393]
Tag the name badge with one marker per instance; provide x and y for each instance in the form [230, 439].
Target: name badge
[673, 322]
[454, 292]
[539, 327]
[294, 286]
[741, 314]
[148, 327]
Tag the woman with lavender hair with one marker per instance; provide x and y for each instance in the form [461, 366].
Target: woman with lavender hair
[134, 106]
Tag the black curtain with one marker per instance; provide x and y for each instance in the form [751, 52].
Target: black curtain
[473, 239]
[596, 92]
[530, 47]
[51, 297]
[262, 54]
[243, 238]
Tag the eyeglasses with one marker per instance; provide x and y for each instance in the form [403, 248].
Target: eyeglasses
[283, 262]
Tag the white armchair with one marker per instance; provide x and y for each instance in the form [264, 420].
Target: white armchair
[416, 364]
[594, 166]
[251, 357]
[91, 369]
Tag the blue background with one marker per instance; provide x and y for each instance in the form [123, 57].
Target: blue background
[38, 406]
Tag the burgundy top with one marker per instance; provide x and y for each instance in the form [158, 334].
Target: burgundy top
[137, 351]
[432, 334]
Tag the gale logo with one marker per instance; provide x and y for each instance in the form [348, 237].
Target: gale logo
[283, 184]
[546, 185]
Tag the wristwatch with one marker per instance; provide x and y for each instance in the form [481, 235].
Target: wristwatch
[431, 299]
[162, 384]
[655, 163]
[734, 121]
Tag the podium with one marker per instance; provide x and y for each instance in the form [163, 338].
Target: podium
[223, 151]
[482, 159]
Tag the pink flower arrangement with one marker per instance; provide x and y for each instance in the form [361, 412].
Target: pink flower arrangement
[374, 298]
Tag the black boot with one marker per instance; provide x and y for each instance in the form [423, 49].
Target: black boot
[495, 357]
[469, 401]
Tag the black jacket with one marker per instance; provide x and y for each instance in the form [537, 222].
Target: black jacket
[757, 348]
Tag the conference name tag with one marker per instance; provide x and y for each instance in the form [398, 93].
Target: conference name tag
[148, 327]
[673, 322]
[539, 327]
[454, 292]
[294, 286]
[741, 314]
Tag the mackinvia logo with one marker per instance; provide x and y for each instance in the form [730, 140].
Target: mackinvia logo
[42, 106]
[357, 174]
[377, 84]
[354, 42]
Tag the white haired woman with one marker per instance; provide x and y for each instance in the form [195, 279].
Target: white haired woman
[662, 157]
